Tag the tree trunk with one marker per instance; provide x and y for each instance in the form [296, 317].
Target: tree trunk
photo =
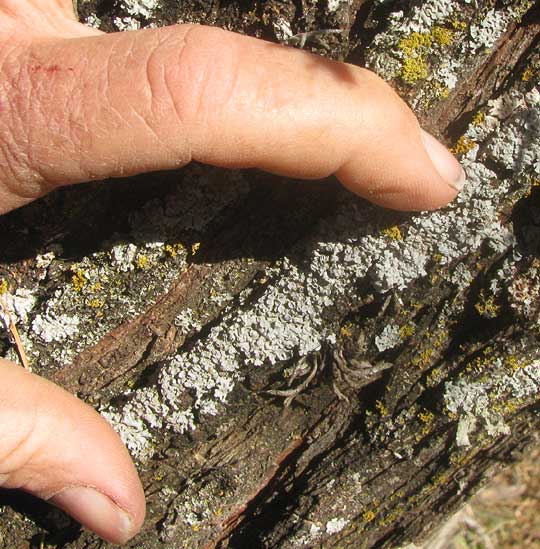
[289, 365]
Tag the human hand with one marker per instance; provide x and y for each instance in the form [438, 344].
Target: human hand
[77, 105]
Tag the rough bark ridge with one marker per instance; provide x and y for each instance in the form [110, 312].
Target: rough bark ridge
[291, 366]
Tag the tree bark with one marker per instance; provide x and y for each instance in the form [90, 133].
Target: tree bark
[289, 365]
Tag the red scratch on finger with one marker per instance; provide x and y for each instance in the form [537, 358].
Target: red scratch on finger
[50, 68]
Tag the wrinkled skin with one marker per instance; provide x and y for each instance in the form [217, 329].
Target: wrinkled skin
[78, 105]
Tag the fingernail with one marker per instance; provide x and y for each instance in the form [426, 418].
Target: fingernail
[447, 166]
[95, 511]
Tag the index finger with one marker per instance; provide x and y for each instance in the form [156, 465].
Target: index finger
[115, 105]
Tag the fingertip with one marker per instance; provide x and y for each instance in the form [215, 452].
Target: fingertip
[391, 160]
[104, 493]
[98, 513]
[444, 162]
[60, 449]
[407, 171]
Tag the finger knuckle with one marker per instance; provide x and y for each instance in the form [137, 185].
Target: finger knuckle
[21, 114]
[201, 81]
[387, 107]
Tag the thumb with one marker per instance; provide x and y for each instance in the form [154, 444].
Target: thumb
[59, 449]
[112, 105]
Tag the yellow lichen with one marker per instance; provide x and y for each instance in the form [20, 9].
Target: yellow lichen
[368, 516]
[414, 69]
[415, 41]
[426, 416]
[96, 287]
[95, 303]
[173, 250]
[486, 306]
[441, 478]
[434, 377]
[195, 248]
[440, 90]
[514, 364]
[479, 118]
[391, 517]
[3, 286]
[459, 25]
[479, 363]
[346, 330]
[443, 37]
[459, 459]
[142, 261]
[415, 49]
[407, 330]
[382, 409]
[533, 183]
[440, 337]
[528, 74]
[505, 408]
[393, 233]
[423, 358]
[463, 145]
[78, 280]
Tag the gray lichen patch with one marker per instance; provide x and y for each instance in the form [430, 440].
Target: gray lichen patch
[196, 507]
[407, 40]
[137, 14]
[486, 32]
[485, 402]
[389, 338]
[140, 8]
[435, 43]
[19, 304]
[95, 293]
[131, 427]
[518, 145]
[97, 296]
[289, 317]
[524, 293]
